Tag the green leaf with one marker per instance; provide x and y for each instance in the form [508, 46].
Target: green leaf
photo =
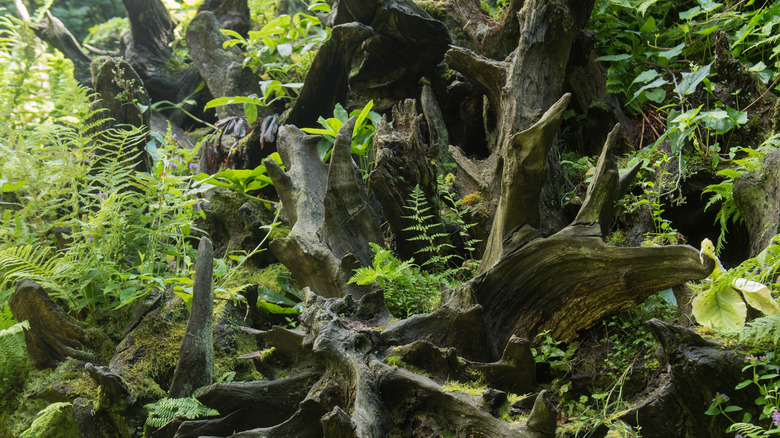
[220, 101]
[720, 309]
[692, 80]
[757, 295]
[340, 114]
[276, 309]
[285, 49]
[621, 57]
[690, 13]
[648, 25]
[673, 52]
[645, 77]
[250, 112]
[657, 95]
[274, 297]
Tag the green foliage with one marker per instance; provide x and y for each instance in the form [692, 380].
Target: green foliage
[659, 55]
[765, 378]
[605, 409]
[764, 331]
[437, 252]
[108, 35]
[13, 357]
[164, 411]
[273, 91]
[272, 50]
[241, 181]
[47, 420]
[362, 134]
[408, 290]
[723, 192]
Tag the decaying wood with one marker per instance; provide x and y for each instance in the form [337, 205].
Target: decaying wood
[677, 406]
[403, 159]
[195, 367]
[326, 83]
[221, 68]
[332, 223]
[53, 335]
[757, 195]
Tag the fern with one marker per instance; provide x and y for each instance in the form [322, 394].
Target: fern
[45, 420]
[761, 332]
[165, 410]
[13, 355]
[407, 289]
[748, 430]
[438, 248]
[30, 262]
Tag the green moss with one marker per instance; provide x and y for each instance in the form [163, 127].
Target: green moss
[434, 8]
[395, 362]
[471, 388]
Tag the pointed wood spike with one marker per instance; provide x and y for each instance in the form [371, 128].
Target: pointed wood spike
[603, 190]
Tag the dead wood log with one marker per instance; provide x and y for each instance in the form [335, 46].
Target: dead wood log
[757, 195]
[332, 223]
[568, 281]
[698, 369]
[403, 161]
[406, 43]
[221, 67]
[232, 14]
[149, 52]
[53, 334]
[326, 83]
[195, 367]
[519, 90]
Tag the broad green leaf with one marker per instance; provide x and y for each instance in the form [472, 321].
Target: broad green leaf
[621, 57]
[648, 25]
[692, 80]
[645, 77]
[757, 296]
[340, 113]
[690, 13]
[362, 116]
[250, 112]
[318, 131]
[644, 5]
[658, 95]
[673, 52]
[274, 297]
[285, 49]
[722, 310]
[231, 100]
[276, 309]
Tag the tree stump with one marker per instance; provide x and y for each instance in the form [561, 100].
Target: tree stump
[196, 357]
[53, 335]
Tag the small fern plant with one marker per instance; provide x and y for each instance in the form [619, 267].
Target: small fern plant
[13, 356]
[438, 251]
[165, 410]
[764, 331]
[408, 290]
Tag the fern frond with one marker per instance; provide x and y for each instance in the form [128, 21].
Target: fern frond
[31, 262]
[164, 411]
[748, 430]
[45, 420]
[761, 331]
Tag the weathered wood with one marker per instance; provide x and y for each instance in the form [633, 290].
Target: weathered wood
[332, 223]
[221, 67]
[403, 161]
[407, 43]
[326, 83]
[698, 369]
[757, 195]
[232, 14]
[196, 357]
[53, 335]
[519, 91]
